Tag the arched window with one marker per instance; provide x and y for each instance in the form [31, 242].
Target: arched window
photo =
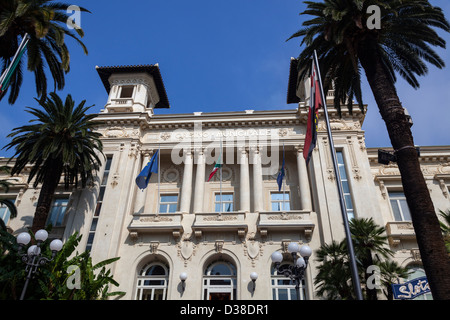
[219, 281]
[152, 282]
[283, 288]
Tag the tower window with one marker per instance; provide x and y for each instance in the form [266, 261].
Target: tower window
[127, 92]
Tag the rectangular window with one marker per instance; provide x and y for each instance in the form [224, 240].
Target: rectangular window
[127, 92]
[399, 206]
[5, 213]
[345, 185]
[226, 205]
[280, 201]
[168, 203]
[57, 212]
[98, 206]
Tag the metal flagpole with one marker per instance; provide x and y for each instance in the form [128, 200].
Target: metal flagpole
[351, 251]
[221, 165]
[159, 177]
[284, 174]
[24, 42]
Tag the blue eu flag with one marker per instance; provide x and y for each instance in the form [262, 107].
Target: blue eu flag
[144, 177]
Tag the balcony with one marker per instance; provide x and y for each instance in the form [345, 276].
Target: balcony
[398, 231]
[298, 220]
[153, 222]
[226, 221]
[120, 105]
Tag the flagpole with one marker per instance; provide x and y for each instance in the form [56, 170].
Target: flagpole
[220, 157]
[159, 176]
[351, 252]
[24, 42]
[282, 181]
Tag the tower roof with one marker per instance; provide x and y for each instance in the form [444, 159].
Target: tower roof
[152, 69]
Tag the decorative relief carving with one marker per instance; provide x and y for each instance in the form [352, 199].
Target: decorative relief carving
[285, 216]
[253, 250]
[171, 174]
[220, 218]
[186, 250]
[157, 218]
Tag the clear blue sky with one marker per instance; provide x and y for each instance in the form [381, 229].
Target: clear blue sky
[218, 56]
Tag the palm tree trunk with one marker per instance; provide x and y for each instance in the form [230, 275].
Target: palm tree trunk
[45, 197]
[426, 224]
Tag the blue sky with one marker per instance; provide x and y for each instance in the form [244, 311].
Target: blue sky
[218, 56]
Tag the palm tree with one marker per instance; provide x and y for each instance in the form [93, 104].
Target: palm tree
[390, 272]
[371, 249]
[46, 24]
[333, 280]
[369, 239]
[345, 45]
[61, 142]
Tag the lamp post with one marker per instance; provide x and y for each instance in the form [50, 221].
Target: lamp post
[32, 258]
[300, 255]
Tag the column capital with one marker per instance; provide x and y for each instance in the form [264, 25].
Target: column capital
[298, 149]
[243, 150]
[147, 152]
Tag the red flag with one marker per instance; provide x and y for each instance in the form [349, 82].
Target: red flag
[315, 103]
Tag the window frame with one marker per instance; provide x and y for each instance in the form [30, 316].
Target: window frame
[207, 278]
[276, 287]
[168, 203]
[218, 202]
[7, 212]
[280, 201]
[142, 277]
[399, 207]
[345, 183]
[58, 217]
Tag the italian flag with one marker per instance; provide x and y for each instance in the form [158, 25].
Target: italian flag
[217, 166]
[9, 72]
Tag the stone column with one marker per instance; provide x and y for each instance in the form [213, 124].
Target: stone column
[244, 185]
[258, 198]
[186, 187]
[303, 182]
[141, 195]
[199, 194]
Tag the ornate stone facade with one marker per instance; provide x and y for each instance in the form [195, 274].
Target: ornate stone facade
[141, 228]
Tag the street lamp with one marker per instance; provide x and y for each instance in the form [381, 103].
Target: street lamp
[254, 277]
[183, 277]
[32, 257]
[300, 255]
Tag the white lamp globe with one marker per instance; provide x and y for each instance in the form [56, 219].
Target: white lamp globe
[253, 276]
[34, 250]
[277, 257]
[301, 262]
[41, 235]
[56, 245]
[183, 276]
[305, 251]
[293, 247]
[24, 238]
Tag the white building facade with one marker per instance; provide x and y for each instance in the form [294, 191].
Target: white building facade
[220, 231]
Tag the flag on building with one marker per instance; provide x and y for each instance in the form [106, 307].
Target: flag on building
[315, 103]
[152, 167]
[9, 71]
[281, 174]
[217, 166]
